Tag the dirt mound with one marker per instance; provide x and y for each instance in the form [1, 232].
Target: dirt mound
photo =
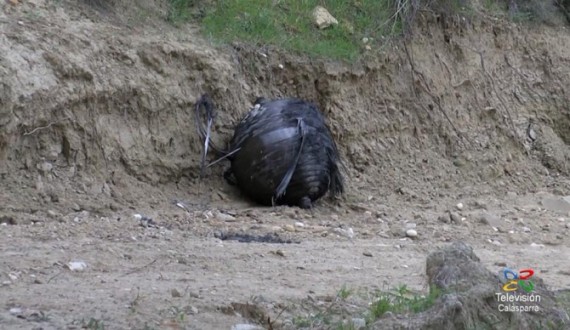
[471, 299]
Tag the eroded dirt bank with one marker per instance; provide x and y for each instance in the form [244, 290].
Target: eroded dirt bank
[96, 125]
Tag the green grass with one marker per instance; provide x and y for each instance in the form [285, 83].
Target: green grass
[401, 300]
[289, 24]
[339, 314]
[179, 11]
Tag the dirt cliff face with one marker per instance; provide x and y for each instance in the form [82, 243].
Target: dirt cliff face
[97, 101]
[96, 115]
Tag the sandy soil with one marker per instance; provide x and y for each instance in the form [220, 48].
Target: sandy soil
[96, 127]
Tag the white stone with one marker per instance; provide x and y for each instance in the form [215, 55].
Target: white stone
[322, 18]
[412, 233]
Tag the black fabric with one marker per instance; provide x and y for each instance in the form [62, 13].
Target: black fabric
[269, 140]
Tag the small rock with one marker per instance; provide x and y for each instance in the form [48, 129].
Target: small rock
[526, 229]
[175, 293]
[489, 219]
[323, 18]
[45, 167]
[367, 254]
[454, 217]
[299, 224]
[534, 245]
[15, 311]
[289, 228]
[358, 323]
[459, 206]
[365, 40]
[75, 207]
[412, 233]
[480, 205]
[225, 217]
[561, 219]
[52, 214]
[444, 218]
[191, 310]
[77, 265]
[344, 232]
[7, 220]
[568, 225]
[280, 253]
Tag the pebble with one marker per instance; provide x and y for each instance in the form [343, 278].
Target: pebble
[534, 245]
[15, 311]
[367, 254]
[568, 225]
[225, 217]
[358, 323]
[76, 207]
[45, 167]
[299, 224]
[289, 228]
[344, 232]
[489, 219]
[444, 219]
[459, 206]
[526, 229]
[192, 310]
[175, 293]
[412, 233]
[455, 217]
[561, 219]
[76, 265]
[52, 214]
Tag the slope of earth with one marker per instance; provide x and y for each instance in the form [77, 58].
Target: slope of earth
[96, 125]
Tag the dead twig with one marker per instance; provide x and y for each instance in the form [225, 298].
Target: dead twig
[44, 127]
[138, 269]
[56, 275]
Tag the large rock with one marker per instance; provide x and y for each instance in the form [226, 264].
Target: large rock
[557, 204]
[323, 19]
[470, 298]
